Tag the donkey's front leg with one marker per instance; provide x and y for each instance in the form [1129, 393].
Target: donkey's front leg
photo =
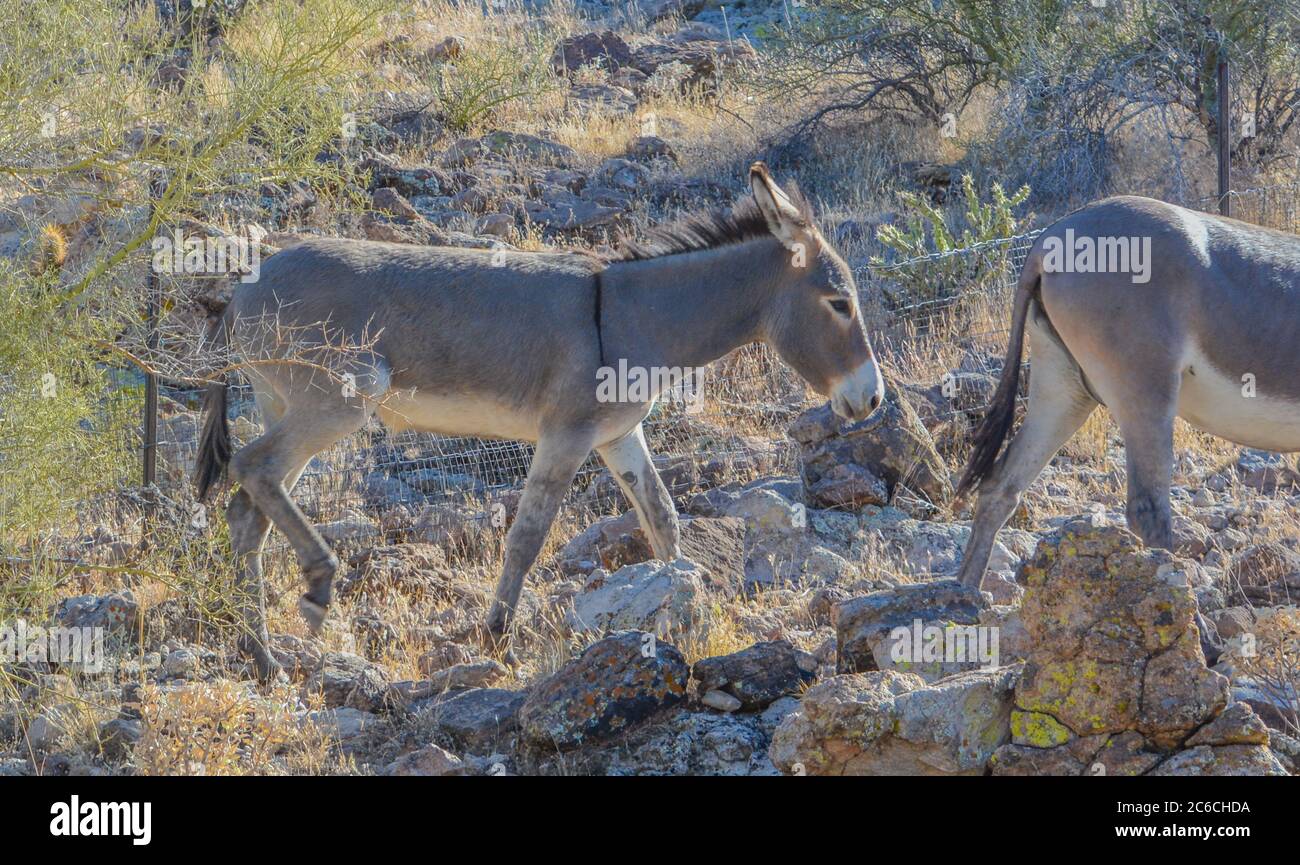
[558, 458]
[629, 460]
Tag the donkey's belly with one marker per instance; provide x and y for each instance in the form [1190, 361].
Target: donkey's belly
[1238, 409]
[455, 415]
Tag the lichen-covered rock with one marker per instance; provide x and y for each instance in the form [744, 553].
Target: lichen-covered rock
[1222, 760]
[893, 446]
[1114, 640]
[892, 723]
[614, 684]
[665, 598]
[899, 629]
[681, 742]
[1115, 681]
[759, 675]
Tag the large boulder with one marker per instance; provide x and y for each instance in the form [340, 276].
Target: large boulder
[892, 723]
[893, 446]
[931, 629]
[665, 598]
[614, 684]
[1114, 644]
[1115, 681]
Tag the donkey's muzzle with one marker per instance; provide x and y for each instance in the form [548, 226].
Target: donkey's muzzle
[857, 396]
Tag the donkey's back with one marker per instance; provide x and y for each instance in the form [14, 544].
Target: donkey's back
[441, 320]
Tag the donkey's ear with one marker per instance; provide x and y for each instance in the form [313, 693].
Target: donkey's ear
[783, 218]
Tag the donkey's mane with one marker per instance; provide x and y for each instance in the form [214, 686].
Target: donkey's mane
[707, 230]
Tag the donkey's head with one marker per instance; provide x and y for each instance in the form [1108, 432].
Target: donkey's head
[814, 322]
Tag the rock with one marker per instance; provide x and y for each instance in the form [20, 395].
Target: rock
[606, 49]
[180, 664]
[1266, 471]
[1225, 760]
[679, 743]
[47, 730]
[349, 681]
[716, 544]
[1265, 574]
[443, 655]
[1114, 644]
[1237, 725]
[623, 174]
[880, 631]
[757, 676]
[475, 675]
[448, 48]
[615, 683]
[462, 152]
[429, 761]
[414, 571]
[496, 225]
[572, 215]
[603, 98]
[389, 200]
[893, 445]
[650, 148]
[892, 723]
[519, 145]
[117, 738]
[115, 613]
[477, 721]
[848, 486]
[663, 598]
[720, 700]
[352, 530]
[343, 724]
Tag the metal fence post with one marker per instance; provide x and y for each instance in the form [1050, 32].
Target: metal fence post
[152, 308]
[1225, 135]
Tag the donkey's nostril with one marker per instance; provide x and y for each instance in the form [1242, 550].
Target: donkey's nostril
[875, 401]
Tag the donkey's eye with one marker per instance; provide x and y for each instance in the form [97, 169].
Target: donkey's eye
[843, 307]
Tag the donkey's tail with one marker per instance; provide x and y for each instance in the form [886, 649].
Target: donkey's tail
[214, 443]
[1002, 410]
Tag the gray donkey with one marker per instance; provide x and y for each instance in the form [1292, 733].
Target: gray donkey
[1156, 312]
[512, 345]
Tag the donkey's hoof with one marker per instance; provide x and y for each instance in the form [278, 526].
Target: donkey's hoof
[498, 646]
[266, 668]
[312, 613]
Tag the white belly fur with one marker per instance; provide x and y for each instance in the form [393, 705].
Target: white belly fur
[1217, 402]
[455, 415]
[485, 418]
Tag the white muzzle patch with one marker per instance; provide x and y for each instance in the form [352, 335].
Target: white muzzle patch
[858, 394]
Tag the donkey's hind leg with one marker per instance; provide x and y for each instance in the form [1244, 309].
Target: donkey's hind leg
[1147, 424]
[629, 460]
[314, 419]
[1058, 405]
